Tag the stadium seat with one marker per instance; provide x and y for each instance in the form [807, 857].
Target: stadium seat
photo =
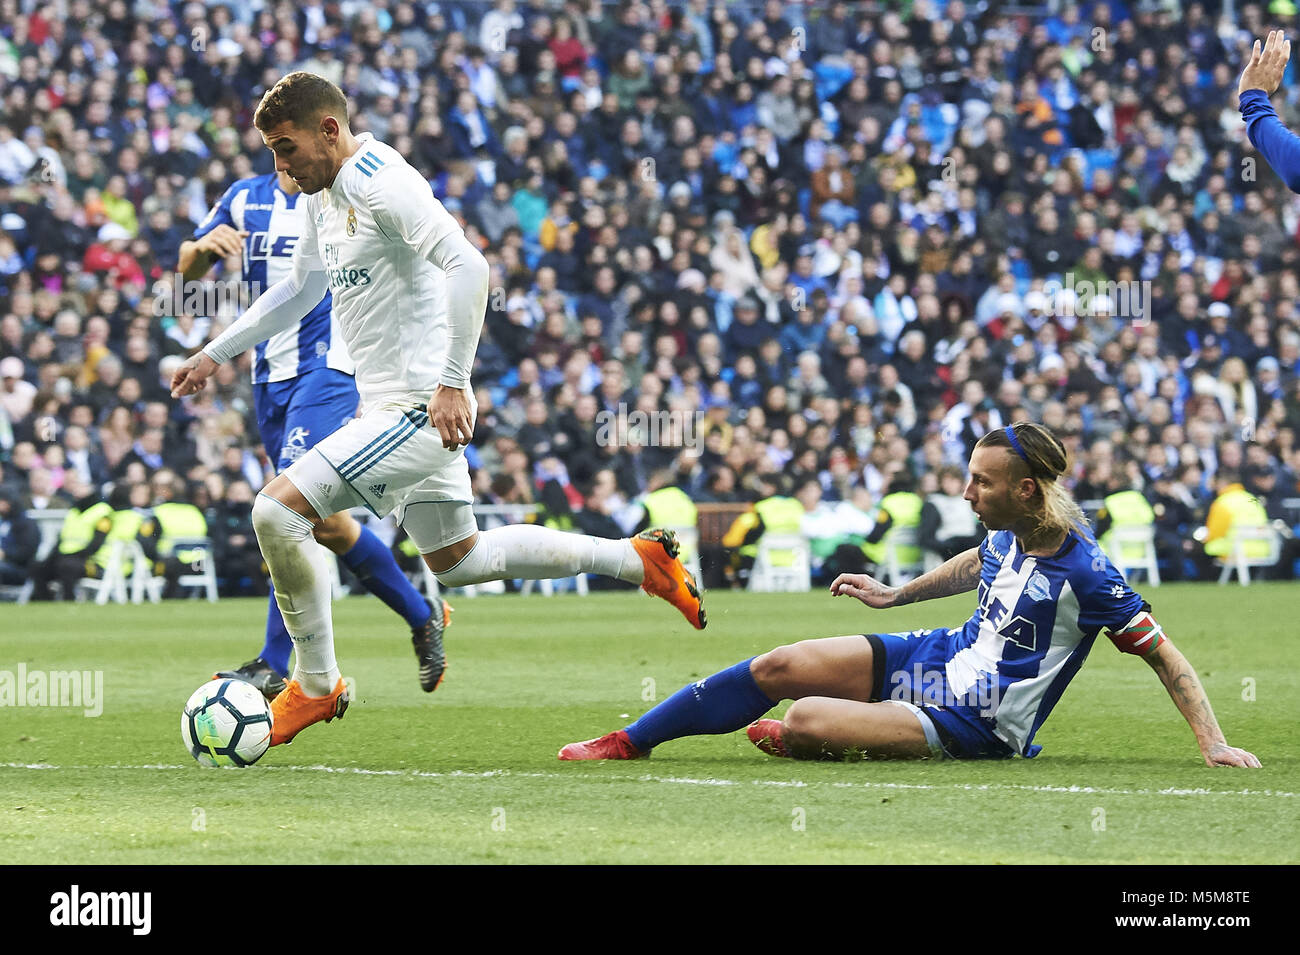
[1134, 548]
[111, 586]
[142, 577]
[432, 588]
[18, 593]
[783, 564]
[203, 578]
[689, 540]
[1241, 562]
[895, 572]
[547, 587]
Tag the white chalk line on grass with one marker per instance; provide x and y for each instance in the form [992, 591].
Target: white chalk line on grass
[692, 781]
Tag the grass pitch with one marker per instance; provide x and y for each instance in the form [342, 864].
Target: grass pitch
[469, 774]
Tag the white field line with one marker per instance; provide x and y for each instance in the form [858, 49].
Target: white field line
[691, 781]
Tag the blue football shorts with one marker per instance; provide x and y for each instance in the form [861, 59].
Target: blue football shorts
[899, 660]
[295, 414]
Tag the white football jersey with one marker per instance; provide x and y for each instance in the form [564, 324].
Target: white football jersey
[371, 233]
[274, 221]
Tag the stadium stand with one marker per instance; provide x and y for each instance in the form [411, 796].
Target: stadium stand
[832, 240]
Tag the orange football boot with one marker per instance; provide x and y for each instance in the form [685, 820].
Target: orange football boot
[666, 577]
[293, 710]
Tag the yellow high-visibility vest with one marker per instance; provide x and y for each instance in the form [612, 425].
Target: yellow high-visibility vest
[904, 509]
[1127, 509]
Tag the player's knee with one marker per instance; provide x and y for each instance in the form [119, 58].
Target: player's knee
[264, 515]
[274, 520]
[804, 727]
[466, 562]
[772, 671]
[457, 576]
[465, 573]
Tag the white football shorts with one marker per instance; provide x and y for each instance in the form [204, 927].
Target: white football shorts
[390, 460]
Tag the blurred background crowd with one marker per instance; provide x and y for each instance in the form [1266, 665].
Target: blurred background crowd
[835, 235]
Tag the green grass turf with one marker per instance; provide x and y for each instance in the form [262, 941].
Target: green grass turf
[469, 773]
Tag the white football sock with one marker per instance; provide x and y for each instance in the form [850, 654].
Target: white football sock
[531, 552]
[302, 590]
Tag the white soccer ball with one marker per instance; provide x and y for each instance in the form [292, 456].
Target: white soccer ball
[226, 723]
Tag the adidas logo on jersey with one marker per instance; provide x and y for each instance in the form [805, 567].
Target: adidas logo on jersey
[378, 489]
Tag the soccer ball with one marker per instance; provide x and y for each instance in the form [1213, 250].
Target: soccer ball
[226, 723]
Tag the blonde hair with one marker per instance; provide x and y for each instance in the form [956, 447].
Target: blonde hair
[1043, 457]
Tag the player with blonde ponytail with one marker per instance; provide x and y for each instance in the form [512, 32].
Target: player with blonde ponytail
[1043, 460]
[981, 690]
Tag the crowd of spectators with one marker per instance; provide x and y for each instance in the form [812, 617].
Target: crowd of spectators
[847, 238]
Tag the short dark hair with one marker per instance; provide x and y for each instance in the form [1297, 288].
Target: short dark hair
[300, 98]
[902, 480]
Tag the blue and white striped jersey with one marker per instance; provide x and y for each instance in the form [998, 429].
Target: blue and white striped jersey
[275, 221]
[1036, 620]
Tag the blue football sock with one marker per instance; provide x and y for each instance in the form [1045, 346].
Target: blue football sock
[377, 569]
[278, 645]
[720, 703]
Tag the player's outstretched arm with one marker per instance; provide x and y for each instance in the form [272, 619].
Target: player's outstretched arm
[958, 575]
[1263, 73]
[282, 306]
[1189, 696]
[193, 375]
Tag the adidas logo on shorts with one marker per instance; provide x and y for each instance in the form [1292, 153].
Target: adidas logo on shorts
[378, 489]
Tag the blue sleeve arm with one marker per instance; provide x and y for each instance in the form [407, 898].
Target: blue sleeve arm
[1278, 145]
[1105, 598]
[219, 214]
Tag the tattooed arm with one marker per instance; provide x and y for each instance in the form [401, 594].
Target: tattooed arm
[1188, 695]
[956, 576]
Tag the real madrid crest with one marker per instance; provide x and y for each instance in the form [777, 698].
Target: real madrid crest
[352, 222]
